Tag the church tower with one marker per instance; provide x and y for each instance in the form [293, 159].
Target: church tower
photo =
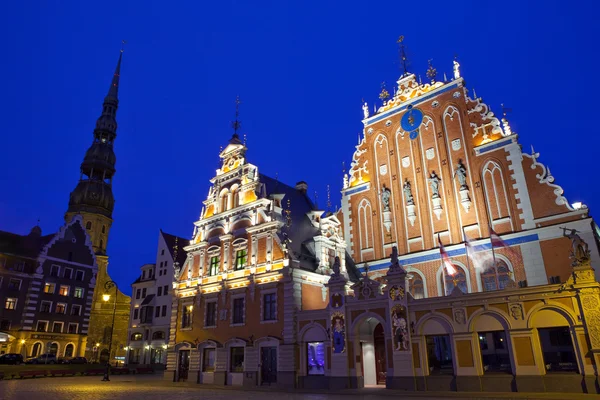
[93, 200]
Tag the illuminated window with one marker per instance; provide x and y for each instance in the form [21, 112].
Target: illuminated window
[49, 288]
[214, 266]
[136, 336]
[64, 290]
[10, 303]
[78, 292]
[240, 259]
[495, 276]
[315, 358]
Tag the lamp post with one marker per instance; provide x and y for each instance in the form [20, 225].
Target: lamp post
[106, 297]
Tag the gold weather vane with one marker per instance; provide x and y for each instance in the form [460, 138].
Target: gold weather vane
[431, 72]
[288, 214]
[175, 249]
[236, 124]
[402, 52]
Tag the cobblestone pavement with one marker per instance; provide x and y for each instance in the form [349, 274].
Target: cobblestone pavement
[153, 387]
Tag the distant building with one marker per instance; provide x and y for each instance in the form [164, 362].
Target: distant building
[150, 318]
[46, 289]
[93, 200]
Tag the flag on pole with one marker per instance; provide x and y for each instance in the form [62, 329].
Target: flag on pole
[450, 270]
[478, 258]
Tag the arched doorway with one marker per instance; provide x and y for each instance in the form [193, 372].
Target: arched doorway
[556, 340]
[370, 336]
[104, 356]
[69, 350]
[53, 348]
[36, 350]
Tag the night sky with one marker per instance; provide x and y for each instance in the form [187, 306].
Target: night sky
[301, 69]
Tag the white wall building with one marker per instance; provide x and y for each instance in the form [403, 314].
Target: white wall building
[151, 300]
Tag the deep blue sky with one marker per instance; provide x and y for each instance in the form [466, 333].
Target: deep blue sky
[301, 69]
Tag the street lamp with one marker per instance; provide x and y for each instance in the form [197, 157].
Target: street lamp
[106, 297]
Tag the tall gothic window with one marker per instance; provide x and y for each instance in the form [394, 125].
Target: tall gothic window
[459, 277]
[495, 276]
[495, 191]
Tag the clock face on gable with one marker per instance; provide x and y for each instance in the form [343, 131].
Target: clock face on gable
[411, 121]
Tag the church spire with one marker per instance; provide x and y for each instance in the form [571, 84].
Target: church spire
[113, 91]
[92, 198]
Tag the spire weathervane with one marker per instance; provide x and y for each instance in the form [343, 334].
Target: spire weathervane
[123, 43]
[384, 95]
[402, 52]
[236, 124]
[328, 199]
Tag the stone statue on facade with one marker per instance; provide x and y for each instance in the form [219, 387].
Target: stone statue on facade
[579, 248]
[176, 270]
[365, 108]
[408, 193]
[251, 174]
[456, 69]
[336, 266]
[385, 198]
[434, 183]
[461, 173]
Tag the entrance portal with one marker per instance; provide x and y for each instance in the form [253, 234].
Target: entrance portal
[268, 368]
[183, 365]
[371, 335]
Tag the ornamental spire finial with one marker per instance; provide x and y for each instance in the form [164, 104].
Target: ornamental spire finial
[236, 124]
[402, 53]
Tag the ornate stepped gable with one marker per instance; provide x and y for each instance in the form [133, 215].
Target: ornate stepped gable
[458, 173]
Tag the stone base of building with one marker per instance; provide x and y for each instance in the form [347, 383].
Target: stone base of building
[330, 382]
[568, 383]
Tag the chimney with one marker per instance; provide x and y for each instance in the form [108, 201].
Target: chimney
[302, 187]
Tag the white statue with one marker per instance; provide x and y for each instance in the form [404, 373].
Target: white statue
[456, 70]
[365, 108]
[434, 181]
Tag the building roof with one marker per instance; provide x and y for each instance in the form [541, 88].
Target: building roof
[24, 245]
[301, 231]
[173, 241]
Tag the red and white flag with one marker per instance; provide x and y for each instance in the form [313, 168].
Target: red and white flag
[450, 270]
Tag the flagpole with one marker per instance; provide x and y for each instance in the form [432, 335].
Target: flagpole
[466, 249]
[492, 244]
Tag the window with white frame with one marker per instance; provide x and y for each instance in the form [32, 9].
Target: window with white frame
[78, 293]
[269, 306]
[73, 327]
[208, 359]
[75, 309]
[238, 311]
[14, 284]
[57, 327]
[214, 266]
[54, 271]
[42, 326]
[186, 315]
[49, 287]
[63, 290]
[61, 308]
[241, 259]
[45, 306]
[68, 273]
[79, 275]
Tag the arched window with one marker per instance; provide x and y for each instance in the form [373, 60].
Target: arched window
[101, 243]
[158, 335]
[365, 224]
[88, 225]
[103, 228]
[69, 350]
[37, 349]
[495, 192]
[416, 286]
[136, 336]
[53, 348]
[235, 196]
[495, 276]
[224, 200]
[458, 279]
